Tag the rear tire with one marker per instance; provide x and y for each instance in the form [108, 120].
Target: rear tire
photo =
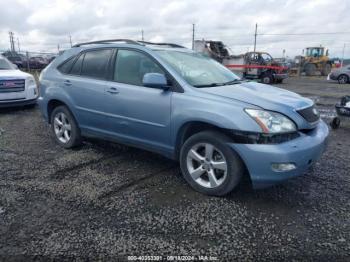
[279, 81]
[64, 127]
[326, 69]
[215, 173]
[343, 79]
[310, 69]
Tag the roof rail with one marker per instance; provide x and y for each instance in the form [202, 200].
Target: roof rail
[166, 44]
[128, 41]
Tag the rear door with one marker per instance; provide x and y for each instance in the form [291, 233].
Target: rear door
[85, 84]
[138, 113]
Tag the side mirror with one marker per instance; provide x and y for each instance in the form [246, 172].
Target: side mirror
[155, 80]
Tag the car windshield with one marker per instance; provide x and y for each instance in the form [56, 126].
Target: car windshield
[198, 70]
[5, 65]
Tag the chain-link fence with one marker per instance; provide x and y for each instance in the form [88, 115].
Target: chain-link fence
[32, 62]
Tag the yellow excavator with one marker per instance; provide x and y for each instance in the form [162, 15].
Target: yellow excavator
[315, 59]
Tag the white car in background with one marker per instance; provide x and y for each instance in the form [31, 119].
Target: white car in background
[17, 88]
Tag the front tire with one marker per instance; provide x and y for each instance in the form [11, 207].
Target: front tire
[335, 124]
[310, 69]
[267, 78]
[64, 128]
[209, 165]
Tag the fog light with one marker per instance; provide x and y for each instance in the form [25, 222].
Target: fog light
[283, 167]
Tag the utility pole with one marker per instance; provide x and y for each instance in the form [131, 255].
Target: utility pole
[142, 35]
[193, 29]
[58, 48]
[256, 33]
[19, 49]
[12, 43]
[70, 40]
[342, 59]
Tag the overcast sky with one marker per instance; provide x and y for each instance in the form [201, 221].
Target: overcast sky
[41, 25]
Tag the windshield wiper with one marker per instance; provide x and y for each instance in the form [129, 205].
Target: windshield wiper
[209, 85]
[235, 81]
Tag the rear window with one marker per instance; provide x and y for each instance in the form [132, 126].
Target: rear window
[95, 63]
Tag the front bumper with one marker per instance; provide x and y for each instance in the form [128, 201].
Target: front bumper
[15, 103]
[280, 76]
[302, 151]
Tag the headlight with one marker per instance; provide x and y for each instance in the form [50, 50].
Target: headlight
[31, 82]
[271, 122]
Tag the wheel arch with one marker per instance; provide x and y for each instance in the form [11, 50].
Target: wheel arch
[190, 128]
[52, 104]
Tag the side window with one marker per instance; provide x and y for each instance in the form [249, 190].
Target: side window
[77, 66]
[66, 66]
[131, 66]
[95, 63]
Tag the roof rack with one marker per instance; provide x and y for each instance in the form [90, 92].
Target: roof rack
[163, 44]
[128, 41]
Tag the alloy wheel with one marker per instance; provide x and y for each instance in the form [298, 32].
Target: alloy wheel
[342, 79]
[207, 165]
[62, 127]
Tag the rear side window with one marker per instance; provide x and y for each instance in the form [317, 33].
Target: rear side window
[66, 66]
[95, 63]
[77, 66]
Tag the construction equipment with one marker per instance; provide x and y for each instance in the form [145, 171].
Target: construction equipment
[251, 65]
[315, 60]
[343, 112]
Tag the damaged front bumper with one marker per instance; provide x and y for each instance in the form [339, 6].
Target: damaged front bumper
[261, 160]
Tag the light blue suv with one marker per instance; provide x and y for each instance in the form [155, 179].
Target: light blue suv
[170, 100]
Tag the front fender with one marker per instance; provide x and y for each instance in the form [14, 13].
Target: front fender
[222, 114]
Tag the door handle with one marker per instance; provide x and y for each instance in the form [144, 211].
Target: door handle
[67, 82]
[113, 90]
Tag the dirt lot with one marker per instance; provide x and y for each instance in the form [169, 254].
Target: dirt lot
[105, 200]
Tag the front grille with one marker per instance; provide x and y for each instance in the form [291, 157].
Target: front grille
[310, 114]
[12, 85]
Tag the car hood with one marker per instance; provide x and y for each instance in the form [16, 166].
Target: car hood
[264, 96]
[10, 74]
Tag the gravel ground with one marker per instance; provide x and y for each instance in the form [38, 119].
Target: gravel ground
[106, 201]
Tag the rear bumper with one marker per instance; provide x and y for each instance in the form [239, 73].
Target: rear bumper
[14, 103]
[302, 151]
[280, 76]
[43, 108]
